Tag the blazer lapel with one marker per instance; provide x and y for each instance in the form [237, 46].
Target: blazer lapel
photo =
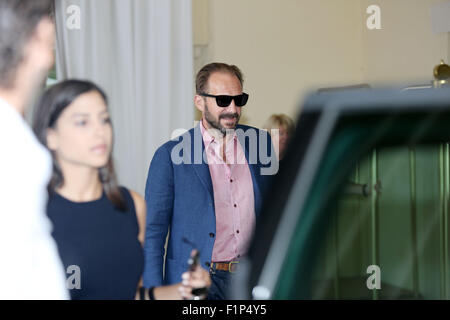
[200, 167]
[254, 167]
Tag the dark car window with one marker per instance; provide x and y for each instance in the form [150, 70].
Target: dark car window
[360, 206]
[394, 229]
[388, 236]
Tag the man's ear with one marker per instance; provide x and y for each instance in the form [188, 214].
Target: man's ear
[42, 43]
[199, 103]
[52, 140]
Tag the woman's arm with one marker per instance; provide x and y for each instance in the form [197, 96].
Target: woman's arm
[141, 212]
[199, 278]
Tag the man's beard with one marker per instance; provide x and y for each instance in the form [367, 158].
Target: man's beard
[216, 123]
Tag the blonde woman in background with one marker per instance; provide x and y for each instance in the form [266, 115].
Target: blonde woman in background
[286, 128]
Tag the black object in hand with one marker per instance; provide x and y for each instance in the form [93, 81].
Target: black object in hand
[193, 262]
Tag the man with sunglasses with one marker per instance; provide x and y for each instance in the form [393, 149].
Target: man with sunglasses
[212, 197]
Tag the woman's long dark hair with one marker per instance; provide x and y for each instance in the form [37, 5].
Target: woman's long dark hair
[54, 101]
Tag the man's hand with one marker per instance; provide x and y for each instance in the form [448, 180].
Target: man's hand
[195, 279]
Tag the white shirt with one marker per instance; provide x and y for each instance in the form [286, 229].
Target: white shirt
[30, 267]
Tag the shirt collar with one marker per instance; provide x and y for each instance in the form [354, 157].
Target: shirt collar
[10, 110]
[208, 138]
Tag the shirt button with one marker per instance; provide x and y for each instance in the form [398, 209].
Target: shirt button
[231, 180]
[211, 235]
[237, 231]
[235, 205]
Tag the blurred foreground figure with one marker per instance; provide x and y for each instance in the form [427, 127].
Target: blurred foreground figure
[30, 266]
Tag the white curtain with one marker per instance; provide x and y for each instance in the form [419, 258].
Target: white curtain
[140, 53]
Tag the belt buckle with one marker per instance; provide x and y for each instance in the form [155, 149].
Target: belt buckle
[230, 264]
[211, 269]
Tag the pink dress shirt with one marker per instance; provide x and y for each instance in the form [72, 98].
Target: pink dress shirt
[233, 197]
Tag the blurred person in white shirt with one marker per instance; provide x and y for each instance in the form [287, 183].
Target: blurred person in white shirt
[30, 266]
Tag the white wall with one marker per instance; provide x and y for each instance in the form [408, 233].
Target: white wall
[405, 50]
[287, 47]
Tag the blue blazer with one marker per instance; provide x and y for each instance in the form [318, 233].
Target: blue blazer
[180, 199]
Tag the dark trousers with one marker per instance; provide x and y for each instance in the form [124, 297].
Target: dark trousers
[220, 285]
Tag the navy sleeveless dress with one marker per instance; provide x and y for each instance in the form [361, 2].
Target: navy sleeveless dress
[102, 241]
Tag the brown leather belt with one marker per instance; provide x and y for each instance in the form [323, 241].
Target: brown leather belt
[225, 266]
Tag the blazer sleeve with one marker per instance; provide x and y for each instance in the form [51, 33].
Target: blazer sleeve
[159, 195]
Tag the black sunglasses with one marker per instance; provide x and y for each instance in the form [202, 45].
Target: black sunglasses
[224, 101]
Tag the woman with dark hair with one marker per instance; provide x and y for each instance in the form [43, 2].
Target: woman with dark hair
[98, 226]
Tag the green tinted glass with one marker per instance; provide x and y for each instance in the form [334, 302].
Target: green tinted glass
[375, 223]
[388, 236]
